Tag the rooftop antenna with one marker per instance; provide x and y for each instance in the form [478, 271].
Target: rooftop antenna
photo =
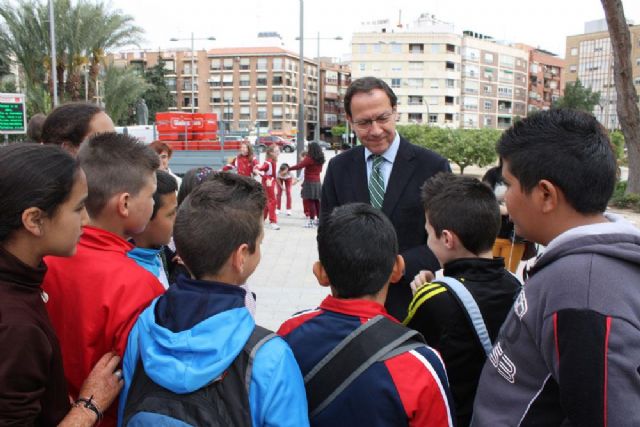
[399, 18]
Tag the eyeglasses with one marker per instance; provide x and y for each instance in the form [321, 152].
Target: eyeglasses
[383, 119]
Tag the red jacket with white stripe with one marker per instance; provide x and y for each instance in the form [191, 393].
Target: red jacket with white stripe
[410, 389]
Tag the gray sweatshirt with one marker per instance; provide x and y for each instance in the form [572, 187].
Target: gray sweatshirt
[568, 353]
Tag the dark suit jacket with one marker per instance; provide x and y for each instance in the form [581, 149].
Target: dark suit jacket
[346, 182]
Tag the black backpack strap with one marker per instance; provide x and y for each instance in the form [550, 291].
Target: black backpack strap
[258, 338]
[369, 343]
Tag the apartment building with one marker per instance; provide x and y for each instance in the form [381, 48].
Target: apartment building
[443, 78]
[251, 89]
[590, 59]
[546, 78]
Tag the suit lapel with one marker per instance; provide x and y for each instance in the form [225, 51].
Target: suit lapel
[358, 174]
[403, 168]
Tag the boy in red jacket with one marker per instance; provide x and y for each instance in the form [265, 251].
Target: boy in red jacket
[96, 295]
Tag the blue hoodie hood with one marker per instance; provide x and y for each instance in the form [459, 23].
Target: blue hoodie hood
[193, 333]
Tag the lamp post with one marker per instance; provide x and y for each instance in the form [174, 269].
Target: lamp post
[54, 62]
[319, 100]
[173, 39]
[301, 127]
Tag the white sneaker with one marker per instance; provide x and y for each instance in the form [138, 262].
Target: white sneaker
[308, 224]
[288, 212]
[275, 226]
[277, 211]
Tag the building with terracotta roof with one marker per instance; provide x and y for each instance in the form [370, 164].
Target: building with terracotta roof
[252, 89]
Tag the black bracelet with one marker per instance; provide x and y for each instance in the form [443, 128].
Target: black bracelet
[89, 403]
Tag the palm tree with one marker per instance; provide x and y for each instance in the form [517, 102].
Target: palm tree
[23, 38]
[112, 29]
[84, 32]
[122, 87]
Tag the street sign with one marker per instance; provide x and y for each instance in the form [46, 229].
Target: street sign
[13, 115]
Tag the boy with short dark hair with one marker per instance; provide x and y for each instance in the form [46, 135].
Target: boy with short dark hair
[196, 338]
[96, 295]
[149, 252]
[462, 221]
[568, 352]
[400, 381]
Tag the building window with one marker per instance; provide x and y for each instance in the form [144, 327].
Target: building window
[215, 96]
[276, 112]
[488, 57]
[449, 65]
[451, 48]
[261, 96]
[488, 105]
[395, 83]
[433, 118]
[362, 48]
[507, 61]
[277, 64]
[448, 100]
[277, 80]
[244, 96]
[415, 100]
[228, 63]
[450, 83]
[434, 83]
[415, 117]
[169, 66]
[416, 83]
[363, 67]
[396, 48]
[448, 117]
[215, 64]
[244, 80]
[245, 63]
[416, 66]
[377, 48]
[276, 96]
[262, 64]
[416, 48]
[505, 91]
[396, 66]
[245, 113]
[488, 74]
[227, 80]
[487, 89]
[432, 100]
[487, 121]
[261, 79]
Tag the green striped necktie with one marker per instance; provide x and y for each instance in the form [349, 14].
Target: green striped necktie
[376, 182]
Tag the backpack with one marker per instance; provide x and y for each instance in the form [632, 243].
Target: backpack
[223, 402]
[377, 340]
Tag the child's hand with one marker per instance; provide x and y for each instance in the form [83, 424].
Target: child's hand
[421, 279]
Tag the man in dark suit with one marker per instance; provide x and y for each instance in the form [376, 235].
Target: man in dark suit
[386, 171]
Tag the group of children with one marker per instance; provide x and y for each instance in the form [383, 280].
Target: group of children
[277, 181]
[477, 348]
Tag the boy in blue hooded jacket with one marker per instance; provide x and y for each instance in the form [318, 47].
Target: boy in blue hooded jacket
[190, 336]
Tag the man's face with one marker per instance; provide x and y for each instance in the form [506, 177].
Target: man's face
[373, 120]
[520, 205]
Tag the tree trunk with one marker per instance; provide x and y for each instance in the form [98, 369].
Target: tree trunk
[627, 97]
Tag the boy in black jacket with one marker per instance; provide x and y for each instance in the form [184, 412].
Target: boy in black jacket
[462, 221]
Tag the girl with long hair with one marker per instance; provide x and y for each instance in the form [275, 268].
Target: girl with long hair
[311, 187]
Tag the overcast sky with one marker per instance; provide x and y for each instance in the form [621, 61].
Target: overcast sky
[235, 23]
